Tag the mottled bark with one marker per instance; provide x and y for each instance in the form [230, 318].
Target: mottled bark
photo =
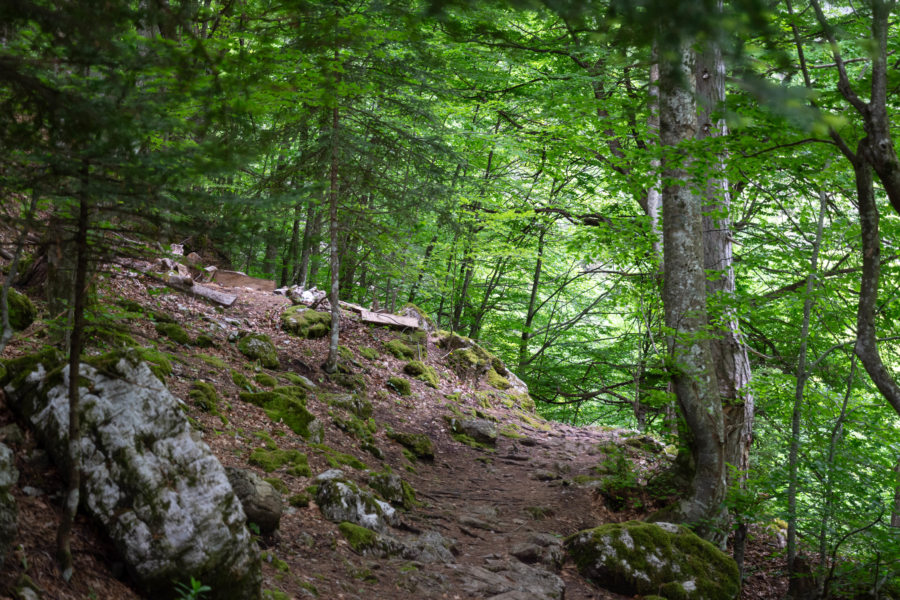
[684, 299]
[532, 303]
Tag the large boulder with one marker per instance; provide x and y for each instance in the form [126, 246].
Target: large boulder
[261, 501]
[654, 558]
[8, 509]
[257, 346]
[158, 491]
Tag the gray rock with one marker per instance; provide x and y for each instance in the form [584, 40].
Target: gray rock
[159, 494]
[262, 503]
[393, 489]
[9, 510]
[480, 430]
[340, 499]
[12, 434]
[430, 547]
[541, 548]
[357, 404]
[654, 558]
[511, 580]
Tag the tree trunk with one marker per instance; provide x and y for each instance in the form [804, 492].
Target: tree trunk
[895, 513]
[301, 274]
[334, 298]
[73, 475]
[684, 299]
[5, 328]
[293, 250]
[802, 376]
[532, 302]
[728, 350]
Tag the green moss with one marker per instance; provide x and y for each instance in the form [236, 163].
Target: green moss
[293, 413]
[204, 341]
[358, 537]
[496, 380]
[398, 349]
[278, 484]
[264, 436]
[350, 381]
[270, 460]
[265, 380]
[276, 594]
[533, 421]
[357, 404]
[337, 459]
[161, 317]
[16, 370]
[511, 430]
[22, 312]
[174, 332]
[130, 305]
[399, 385]
[241, 380]
[206, 399]
[300, 500]
[418, 444]
[257, 346]
[260, 399]
[422, 372]
[369, 353]
[346, 353]
[294, 391]
[462, 438]
[213, 361]
[618, 554]
[306, 323]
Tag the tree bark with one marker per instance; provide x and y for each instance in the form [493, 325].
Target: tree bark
[532, 303]
[334, 297]
[684, 299]
[73, 475]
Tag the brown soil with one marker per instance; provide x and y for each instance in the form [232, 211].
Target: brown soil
[539, 482]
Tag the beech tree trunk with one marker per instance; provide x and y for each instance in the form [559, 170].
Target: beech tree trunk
[684, 299]
[334, 297]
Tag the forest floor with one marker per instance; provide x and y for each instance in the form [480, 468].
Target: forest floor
[540, 478]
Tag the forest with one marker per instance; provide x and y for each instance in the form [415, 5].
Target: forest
[679, 217]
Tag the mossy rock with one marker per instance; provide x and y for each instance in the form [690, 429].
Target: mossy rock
[300, 500]
[130, 306]
[399, 385]
[420, 314]
[306, 323]
[398, 349]
[359, 538]
[213, 361]
[496, 380]
[278, 484]
[204, 341]
[418, 444]
[394, 489]
[158, 362]
[204, 396]
[174, 332]
[356, 404]
[350, 381]
[242, 381]
[161, 317]
[654, 558]
[369, 353]
[293, 413]
[422, 372]
[257, 346]
[338, 459]
[265, 380]
[270, 460]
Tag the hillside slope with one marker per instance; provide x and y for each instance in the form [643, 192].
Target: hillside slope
[485, 519]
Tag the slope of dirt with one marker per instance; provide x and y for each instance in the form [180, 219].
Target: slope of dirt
[542, 478]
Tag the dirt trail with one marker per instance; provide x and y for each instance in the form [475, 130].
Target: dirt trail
[540, 478]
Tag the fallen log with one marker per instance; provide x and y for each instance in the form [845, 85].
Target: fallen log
[186, 285]
[368, 316]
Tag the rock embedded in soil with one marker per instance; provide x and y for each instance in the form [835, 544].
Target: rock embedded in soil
[480, 430]
[261, 501]
[159, 493]
[654, 558]
[340, 499]
[257, 346]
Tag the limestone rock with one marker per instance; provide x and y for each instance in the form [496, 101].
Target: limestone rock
[9, 510]
[340, 499]
[308, 297]
[160, 495]
[305, 322]
[541, 548]
[257, 346]
[511, 580]
[654, 558]
[394, 489]
[261, 501]
[480, 430]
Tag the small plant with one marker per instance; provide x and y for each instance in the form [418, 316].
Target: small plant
[195, 591]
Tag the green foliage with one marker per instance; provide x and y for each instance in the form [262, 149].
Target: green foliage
[195, 590]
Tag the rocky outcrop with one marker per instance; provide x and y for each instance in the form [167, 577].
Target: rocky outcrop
[340, 500]
[157, 490]
[305, 322]
[261, 501]
[654, 558]
[9, 511]
[511, 580]
[480, 430]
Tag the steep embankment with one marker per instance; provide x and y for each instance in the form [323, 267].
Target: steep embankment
[483, 519]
